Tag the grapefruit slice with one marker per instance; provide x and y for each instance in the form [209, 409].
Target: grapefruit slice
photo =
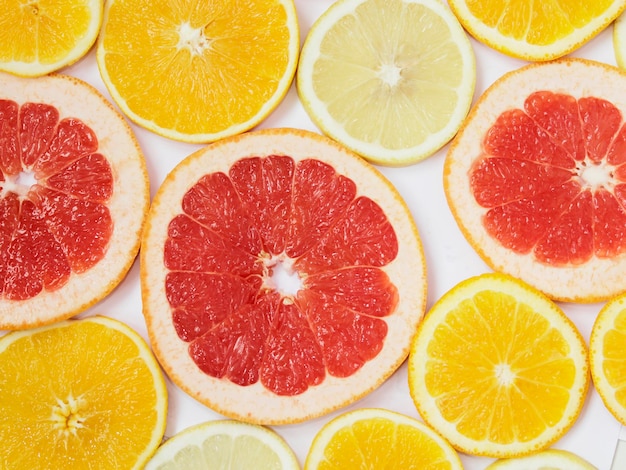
[536, 178]
[282, 276]
[73, 197]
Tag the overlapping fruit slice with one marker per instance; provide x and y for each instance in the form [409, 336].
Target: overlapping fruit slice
[282, 276]
[73, 198]
[536, 178]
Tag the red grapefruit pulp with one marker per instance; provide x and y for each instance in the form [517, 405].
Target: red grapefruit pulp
[274, 276]
[542, 161]
[60, 199]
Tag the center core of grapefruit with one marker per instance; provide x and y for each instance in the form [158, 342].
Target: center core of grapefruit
[596, 175]
[282, 277]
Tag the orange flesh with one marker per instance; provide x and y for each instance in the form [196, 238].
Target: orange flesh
[271, 215]
[552, 178]
[53, 192]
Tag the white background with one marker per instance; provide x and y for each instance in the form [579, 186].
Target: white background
[450, 259]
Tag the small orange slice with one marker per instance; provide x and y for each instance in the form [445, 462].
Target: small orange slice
[74, 193]
[497, 368]
[282, 276]
[536, 178]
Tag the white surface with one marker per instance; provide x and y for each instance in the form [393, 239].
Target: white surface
[449, 258]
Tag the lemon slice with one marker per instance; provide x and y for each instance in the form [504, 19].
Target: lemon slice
[497, 368]
[198, 71]
[607, 356]
[391, 80]
[619, 40]
[42, 36]
[553, 459]
[379, 438]
[536, 30]
[79, 394]
[224, 444]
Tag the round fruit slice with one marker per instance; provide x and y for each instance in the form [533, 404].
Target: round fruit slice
[553, 459]
[536, 178]
[198, 71]
[378, 438]
[42, 36]
[79, 394]
[537, 30]
[225, 444]
[390, 80]
[497, 368]
[607, 356]
[619, 40]
[282, 276]
[73, 197]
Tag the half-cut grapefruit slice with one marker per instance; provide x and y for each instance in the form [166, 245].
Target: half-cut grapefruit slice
[73, 197]
[536, 178]
[282, 276]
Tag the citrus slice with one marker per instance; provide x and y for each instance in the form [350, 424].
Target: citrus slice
[552, 459]
[619, 40]
[497, 368]
[538, 30]
[74, 193]
[607, 356]
[391, 80]
[379, 438]
[198, 71]
[282, 276]
[536, 178]
[224, 444]
[79, 394]
[39, 37]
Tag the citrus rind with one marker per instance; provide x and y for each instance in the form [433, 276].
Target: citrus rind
[386, 69]
[619, 40]
[128, 204]
[428, 405]
[211, 441]
[254, 403]
[595, 280]
[522, 49]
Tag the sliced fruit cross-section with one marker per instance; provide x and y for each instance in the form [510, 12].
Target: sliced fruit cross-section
[79, 394]
[536, 178]
[73, 197]
[282, 276]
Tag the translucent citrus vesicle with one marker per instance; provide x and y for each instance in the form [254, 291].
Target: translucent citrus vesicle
[198, 72]
[74, 193]
[536, 179]
[497, 368]
[270, 276]
[79, 394]
[536, 30]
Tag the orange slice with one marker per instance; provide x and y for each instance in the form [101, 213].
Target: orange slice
[224, 444]
[282, 276]
[536, 178]
[198, 71]
[41, 36]
[536, 30]
[73, 197]
[497, 368]
[378, 438]
[79, 394]
[607, 356]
